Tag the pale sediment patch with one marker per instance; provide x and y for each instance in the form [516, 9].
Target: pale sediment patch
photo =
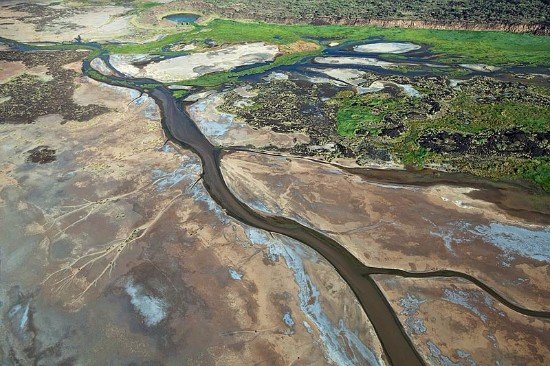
[410, 90]
[454, 83]
[349, 76]
[125, 63]
[362, 61]
[480, 67]
[323, 80]
[513, 240]
[372, 88]
[179, 87]
[197, 64]
[470, 300]
[100, 66]
[235, 275]
[459, 197]
[151, 308]
[11, 69]
[387, 47]
[87, 94]
[276, 76]
[198, 96]
[380, 85]
[517, 240]
[187, 172]
[484, 331]
[337, 339]
[92, 23]
[410, 304]
[49, 119]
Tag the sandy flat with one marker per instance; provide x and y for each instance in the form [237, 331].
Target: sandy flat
[92, 23]
[350, 76]
[194, 281]
[391, 47]
[197, 64]
[363, 61]
[455, 323]
[480, 67]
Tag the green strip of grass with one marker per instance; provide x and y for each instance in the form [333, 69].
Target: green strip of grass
[537, 170]
[497, 48]
[497, 116]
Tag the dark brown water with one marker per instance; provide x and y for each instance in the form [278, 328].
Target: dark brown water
[181, 129]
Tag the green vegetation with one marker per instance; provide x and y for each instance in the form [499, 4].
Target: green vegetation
[350, 117]
[487, 128]
[399, 123]
[362, 112]
[306, 11]
[496, 116]
[536, 170]
[497, 48]
[147, 5]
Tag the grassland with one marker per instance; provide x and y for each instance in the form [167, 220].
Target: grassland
[364, 113]
[367, 115]
[496, 48]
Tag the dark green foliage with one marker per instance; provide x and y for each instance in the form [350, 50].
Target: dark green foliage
[502, 11]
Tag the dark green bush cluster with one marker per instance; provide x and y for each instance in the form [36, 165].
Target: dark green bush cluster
[487, 11]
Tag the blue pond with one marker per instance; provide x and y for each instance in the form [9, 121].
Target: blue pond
[182, 18]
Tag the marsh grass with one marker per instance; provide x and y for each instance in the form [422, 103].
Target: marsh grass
[492, 47]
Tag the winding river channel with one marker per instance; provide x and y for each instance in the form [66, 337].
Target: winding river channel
[182, 130]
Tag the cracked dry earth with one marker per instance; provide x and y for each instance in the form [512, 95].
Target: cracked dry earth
[112, 252]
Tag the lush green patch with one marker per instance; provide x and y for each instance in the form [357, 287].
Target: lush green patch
[537, 170]
[360, 112]
[496, 116]
[147, 5]
[180, 93]
[465, 131]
